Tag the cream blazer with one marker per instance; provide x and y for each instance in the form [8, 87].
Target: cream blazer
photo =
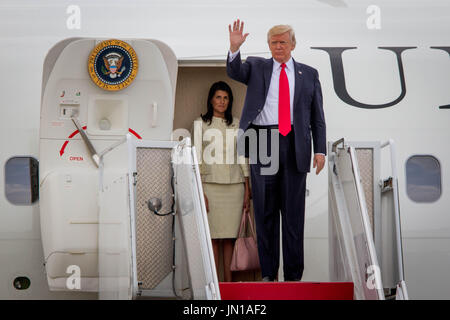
[219, 164]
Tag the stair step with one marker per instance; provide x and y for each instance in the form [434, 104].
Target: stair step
[286, 290]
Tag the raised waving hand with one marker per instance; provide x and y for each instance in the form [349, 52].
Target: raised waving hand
[237, 36]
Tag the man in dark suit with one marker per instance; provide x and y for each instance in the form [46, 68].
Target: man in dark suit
[285, 96]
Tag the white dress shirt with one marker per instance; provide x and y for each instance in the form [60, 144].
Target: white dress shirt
[269, 114]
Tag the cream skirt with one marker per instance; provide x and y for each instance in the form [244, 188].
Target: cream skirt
[225, 208]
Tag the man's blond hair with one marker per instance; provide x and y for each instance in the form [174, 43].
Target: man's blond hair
[279, 29]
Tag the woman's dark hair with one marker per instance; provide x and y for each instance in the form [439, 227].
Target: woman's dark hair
[220, 85]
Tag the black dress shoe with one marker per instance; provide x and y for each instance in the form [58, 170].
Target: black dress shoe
[267, 279]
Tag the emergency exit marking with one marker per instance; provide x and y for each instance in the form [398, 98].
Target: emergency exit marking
[76, 159]
[57, 124]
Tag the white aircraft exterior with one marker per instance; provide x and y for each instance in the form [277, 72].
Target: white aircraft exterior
[396, 63]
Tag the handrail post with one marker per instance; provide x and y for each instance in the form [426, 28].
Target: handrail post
[391, 143]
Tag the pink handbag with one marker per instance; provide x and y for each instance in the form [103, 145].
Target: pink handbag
[245, 252]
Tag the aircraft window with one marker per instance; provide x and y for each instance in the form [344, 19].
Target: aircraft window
[21, 180]
[423, 178]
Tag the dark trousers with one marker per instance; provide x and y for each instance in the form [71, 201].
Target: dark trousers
[283, 191]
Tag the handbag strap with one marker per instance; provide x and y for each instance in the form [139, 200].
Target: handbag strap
[252, 227]
[242, 227]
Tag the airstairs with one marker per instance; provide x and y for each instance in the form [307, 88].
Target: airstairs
[161, 248]
[365, 244]
[154, 239]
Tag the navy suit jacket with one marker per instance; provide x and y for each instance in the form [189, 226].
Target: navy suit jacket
[309, 118]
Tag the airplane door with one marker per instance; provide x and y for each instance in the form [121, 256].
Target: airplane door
[86, 111]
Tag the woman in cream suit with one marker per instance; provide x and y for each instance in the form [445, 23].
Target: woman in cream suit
[225, 179]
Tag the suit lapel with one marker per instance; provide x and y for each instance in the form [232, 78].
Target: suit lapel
[268, 68]
[298, 82]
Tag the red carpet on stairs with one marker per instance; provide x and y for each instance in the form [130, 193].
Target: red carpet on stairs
[286, 290]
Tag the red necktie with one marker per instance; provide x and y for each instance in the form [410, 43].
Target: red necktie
[284, 101]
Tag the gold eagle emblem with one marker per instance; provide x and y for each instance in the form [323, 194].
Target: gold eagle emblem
[113, 62]
[116, 69]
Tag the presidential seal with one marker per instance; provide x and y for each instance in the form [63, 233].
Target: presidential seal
[113, 65]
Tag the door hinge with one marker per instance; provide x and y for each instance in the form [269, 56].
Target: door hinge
[134, 178]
